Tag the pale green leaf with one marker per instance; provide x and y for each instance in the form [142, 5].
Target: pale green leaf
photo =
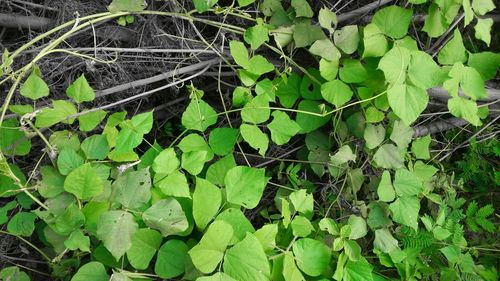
[336, 92]
[94, 271]
[199, 115]
[385, 190]
[435, 22]
[374, 41]
[454, 51]
[167, 216]
[347, 38]
[464, 108]
[34, 87]
[388, 156]
[401, 134]
[353, 71]
[327, 19]
[406, 183]
[78, 241]
[302, 8]
[483, 30]
[407, 101]
[256, 35]
[282, 128]
[166, 162]
[325, 49]
[290, 270]
[116, 229]
[174, 184]
[245, 185]
[256, 111]
[304, 34]
[204, 5]
[329, 69]
[482, 7]
[194, 161]
[95, 147]
[222, 140]
[301, 226]
[405, 211]
[394, 64]
[358, 227]
[384, 241]
[80, 90]
[374, 135]
[59, 112]
[207, 199]
[132, 189]
[255, 138]
[238, 221]
[308, 118]
[302, 202]
[145, 243]
[393, 21]
[239, 53]
[84, 182]
[88, 121]
[22, 224]
[420, 147]
[171, 259]
[312, 256]
[423, 70]
[358, 271]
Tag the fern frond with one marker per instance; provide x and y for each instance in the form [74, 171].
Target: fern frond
[485, 211]
[471, 209]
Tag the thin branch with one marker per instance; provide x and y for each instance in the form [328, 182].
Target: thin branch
[31, 22]
[361, 11]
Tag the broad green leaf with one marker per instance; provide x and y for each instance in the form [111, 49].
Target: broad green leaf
[22, 224]
[13, 273]
[259, 65]
[342, 156]
[7, 185]
[312, 256]
[358, 227]
[308, 118]
[267, 236]
[243, 3]
[88, 121]
[420, 147]
[218, 276]
[199, 115]
[241, 95]
[329, 69]
[208, 253]
[469, 80]
[379, 215]
[255, 138]
[145, 243]
[304, 34]
[34, 87]
[329, 225]
[486, 63]
[352, 250]
[222, 140]
[385, 190]
[207, 199]
[290, 270]
[310, 89]
[171, 259]
[423, 171]
[127, 6]
[218, 170]
[65, 140]
[282, 128]
[174, 184]
[302, 8]
[301, 226]
[194, 161]
[247, 78]
[393, 21]
[116, 229]
[204, 5]
[374, 135]
[483, 30]
[388, 156]
[406, 183]
[94, 271]
[256, 35]
[167, 216]
[283, 35]
[423, 70]
[394, 64]
[166, 162]
[247, 260]
[347, 38]
[482, 7]
[407, 102]
[358, 271]
[238, 221]
[288, 90]
[302, 202]
[454, 51]
[336, 92]
[4, 211]
[352, 71]
[464, 108]
[401, 135]
[327, 19]
[69, 220]
[127, 140]
[239, 53]
[13, 139]
[78, 241]
[132, 189]
[325, 49]
[268, 7]
[21, 109]
[95, 147]
[84, 182]
[245, 185]
[405, 211]
[374, 41]
[266, 88]
[59, 112]
[80, 90]
[373, 115]
[256, 111]
[435, 23]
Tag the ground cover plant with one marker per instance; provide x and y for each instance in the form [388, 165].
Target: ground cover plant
[287, 141]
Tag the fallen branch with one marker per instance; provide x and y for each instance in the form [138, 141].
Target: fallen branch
[438, 126]
[361, 11]
[441, 94]
[31, 22]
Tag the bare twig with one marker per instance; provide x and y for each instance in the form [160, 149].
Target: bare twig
[361, 11]
[31, 22]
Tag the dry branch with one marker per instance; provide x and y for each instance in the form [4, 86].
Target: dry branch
[31, 22]
[361, 11]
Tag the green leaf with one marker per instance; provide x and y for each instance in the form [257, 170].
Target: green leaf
[358, 227]
[199, 115]
[247, 260]
[34, 87]
[22, 224]
[70, 219]
[84, 182]
[407, 102]
[406, 183]
[336, 92]
[174, 184]
[352, 71]
[483, 30]
[267, 236]
[140, 123]
[393, 21]
[304, 34]
[204, 5]
[259, 65]
[68, 160]
[194, 161]
[4, 211]
[116, 229]
[420, 147]
[238, 221]
[13, 139]
[166, 162]
[454, 51]
[486, 63]
[290, 270]
[145, 243]
[329, 69]
[394, 64]
[325, 49]
[312, 256]
[308, 122]
[401, 135]
[326, 19]
[167, 216]
[301, 226]
[358, 271]
[78, 241]
[435, 23]
[171, 259]
[385, 191]
[94, 271]
[374, 41]
[95, 147]
[464, 108]
[241, 95]
[21, 109]
[405, 211]
[217, 171]
[282, 128]
[269, 7]
[388, 156]
[80, 90]
[88, 121]
[256, 111]
[239, 53]
[222, 140]
[302, 202]
[482, 7]
[207, 199]
[218, 276]
[132, 189]
[245, 185]
[256, 35]
[60, 111]
[384, 241]
[243, 3]
[302, 8]
[423, 71]
[13, 273]
[347, 38]
[127, 6]
[288, 90]
[208, 253]
[352, 250]
[374, 135]
[255, 138]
